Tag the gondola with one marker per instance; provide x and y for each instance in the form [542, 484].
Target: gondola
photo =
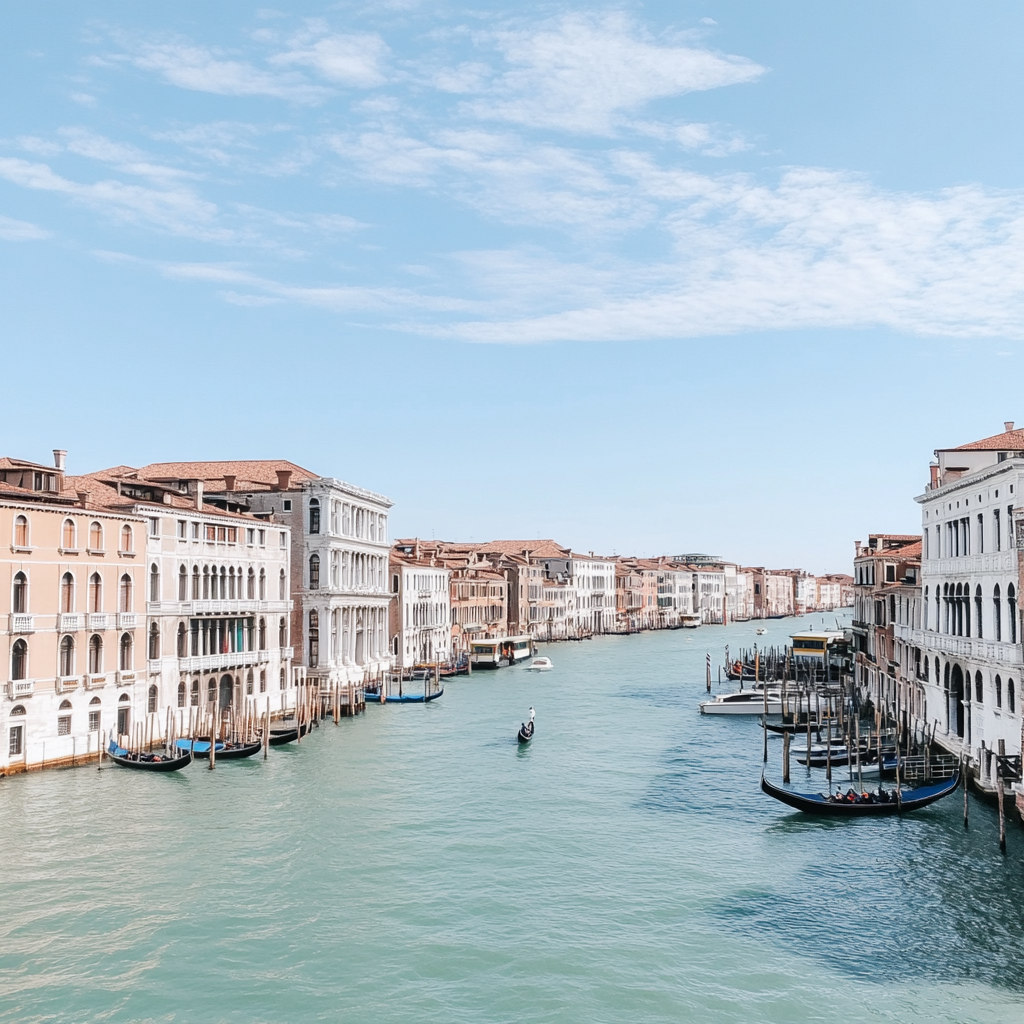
[147, 762]
[526, 732]
[819, 803]
[224, 751]
[278, 739]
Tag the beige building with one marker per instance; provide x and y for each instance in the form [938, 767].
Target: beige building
[72, 608]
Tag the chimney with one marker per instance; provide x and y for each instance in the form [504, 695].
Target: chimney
[229, 481]
[199, 494]
[59, 455]
[284, 478]
[83, 498]
[933, 468]
[1006, 423]
[166, 497]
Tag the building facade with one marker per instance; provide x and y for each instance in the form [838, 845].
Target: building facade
[420, 614]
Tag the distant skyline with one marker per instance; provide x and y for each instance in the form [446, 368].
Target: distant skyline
[644, 278]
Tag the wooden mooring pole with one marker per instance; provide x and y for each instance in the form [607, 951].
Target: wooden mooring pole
[999, 795]
[785, 757]
[963, 776]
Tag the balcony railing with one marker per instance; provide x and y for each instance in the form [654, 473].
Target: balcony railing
[21, 623]
[125, 678]
[65, 684]
[96, 680]
[70, 622]
[971, 647]
[99, 620]
[127, 620]
[21, 688]
[216, 662]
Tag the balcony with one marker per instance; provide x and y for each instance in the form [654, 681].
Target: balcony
[127, 620]
[99, 620]
[287, 653]
[18, 688]
[216, 662]
[21, 623]
[65, 684]
[70, 622]
[125, 678]
[967, 647]
[96, 681]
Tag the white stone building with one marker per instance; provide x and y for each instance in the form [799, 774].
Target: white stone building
[970, 578]
[420, 620]
[590, 583]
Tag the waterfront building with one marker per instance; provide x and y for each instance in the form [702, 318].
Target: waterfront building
[339, 552]
[709, 583]
[971, 632]
[216, 587]
[71, 604]
[779, 597]
[420, 614]
[675, 594]
[805, 592]
[591, 583]
[479, 604]
[629, 598]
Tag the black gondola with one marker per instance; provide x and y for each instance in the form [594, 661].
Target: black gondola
[224, 751]
[283, 736]
[526, 732]
[819, 803]
[147, 762]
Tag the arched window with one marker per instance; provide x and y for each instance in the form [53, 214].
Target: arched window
[67, 535]
[979, 688]
[154, 641]
[18, 709]
[248, 683]
[19, 660]
[1011, 613]
[195, 693]
[206, 582]
[231, 583]
[127, 540]
[195, 583]
[263, 680]
[154, 583]
[1011, 697]
[151, 703]
[314, 572]
[67, 592]
[223, 583]
[250, 586]
[314, 639]
[977, 610]
[64, 718]
[314, 515]
[182, 584]
[95, 536]
[125, 597]
[20, 532]
[997, 618]
[282, 633]
[95, 593]
[263, 635]
[999, 692]
[95, 713]
[282, 586]
[67, 656]
[95, 654]
[19, 597]
[182, 640]
[181, 694]
[263, 585]
[211, 691]
[125, 659]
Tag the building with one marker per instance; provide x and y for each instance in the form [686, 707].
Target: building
[420, 618]
[970, 576]
[72, 607]
[591, 586]
[338, 559]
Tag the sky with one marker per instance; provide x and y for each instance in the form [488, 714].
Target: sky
[645, 278]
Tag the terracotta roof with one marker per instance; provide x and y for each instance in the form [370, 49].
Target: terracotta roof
[249, 474]
[1008, 440]
[104, 495]
[537, 548]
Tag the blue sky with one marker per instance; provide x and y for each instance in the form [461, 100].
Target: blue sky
[642, 277]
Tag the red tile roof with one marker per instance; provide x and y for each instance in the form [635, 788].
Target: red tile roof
[254, 474]
[1008, 440]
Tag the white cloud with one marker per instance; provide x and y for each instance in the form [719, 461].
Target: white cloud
[126, 158]
[21, 231]
[353, 59]
[587, 73]
[83, 99]
[205, 70]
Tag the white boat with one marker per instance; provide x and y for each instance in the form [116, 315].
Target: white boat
[760, 631]
[745, 702]
[689, 621]
[540, 665]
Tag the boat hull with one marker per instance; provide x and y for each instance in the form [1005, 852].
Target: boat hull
[755, 707]
[126, 760]
[201, 749]
[525, 732]
[817, 803]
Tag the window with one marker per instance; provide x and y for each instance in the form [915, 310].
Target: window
[64, 720]
[21, 532]
[154, 527]
[20, 594]
[154, 583]
[182, 584]
[996, 532]
[195, 693]
[232, 534]
[250, 536]
[94, 715]
[979, 689]
[282, 586]
[250, 586]
[125, 597]
[195, 583]
[999, 692]
[997, 619]
[211, 532]
[394, 584]
[95, 593]
[151, 703]
[67, 592]
[284, 680]
[314, 639]
[231, 583]
[263, 681]
[283, 539]
[1011, 612]
[181, 694]
[154, 641]
[67, 656]
[263, 538]
[67, 535]
[314, 515]
[182, 530]
[95, 537]
[282, 633]
[287, 504]
[211, 691]
[1011, 697]
[125, 652]
[19, 660]
[195, 531]
[248, 683]
[263, 635]
[182, 641]
[314, 572]
[15, 741]
[263, 585]
[95, 654]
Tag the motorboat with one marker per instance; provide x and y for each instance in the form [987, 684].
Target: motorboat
[760, 631]
[540, 665]
[689, 621]
[744, 702]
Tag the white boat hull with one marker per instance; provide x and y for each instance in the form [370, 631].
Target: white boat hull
[753, 707]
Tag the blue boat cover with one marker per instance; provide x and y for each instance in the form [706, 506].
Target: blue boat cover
[199, 746]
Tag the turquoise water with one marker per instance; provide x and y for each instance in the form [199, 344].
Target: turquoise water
[415, 865]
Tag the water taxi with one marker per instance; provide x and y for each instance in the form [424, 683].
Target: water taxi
[745, 702]
[540, 665]
[500, 651]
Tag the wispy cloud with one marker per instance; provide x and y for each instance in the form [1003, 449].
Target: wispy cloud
[21, 231]
[353, 59]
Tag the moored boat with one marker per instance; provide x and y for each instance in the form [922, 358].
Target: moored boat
[148, 762]
[744, 702]
[882, 802]
[223, 751]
